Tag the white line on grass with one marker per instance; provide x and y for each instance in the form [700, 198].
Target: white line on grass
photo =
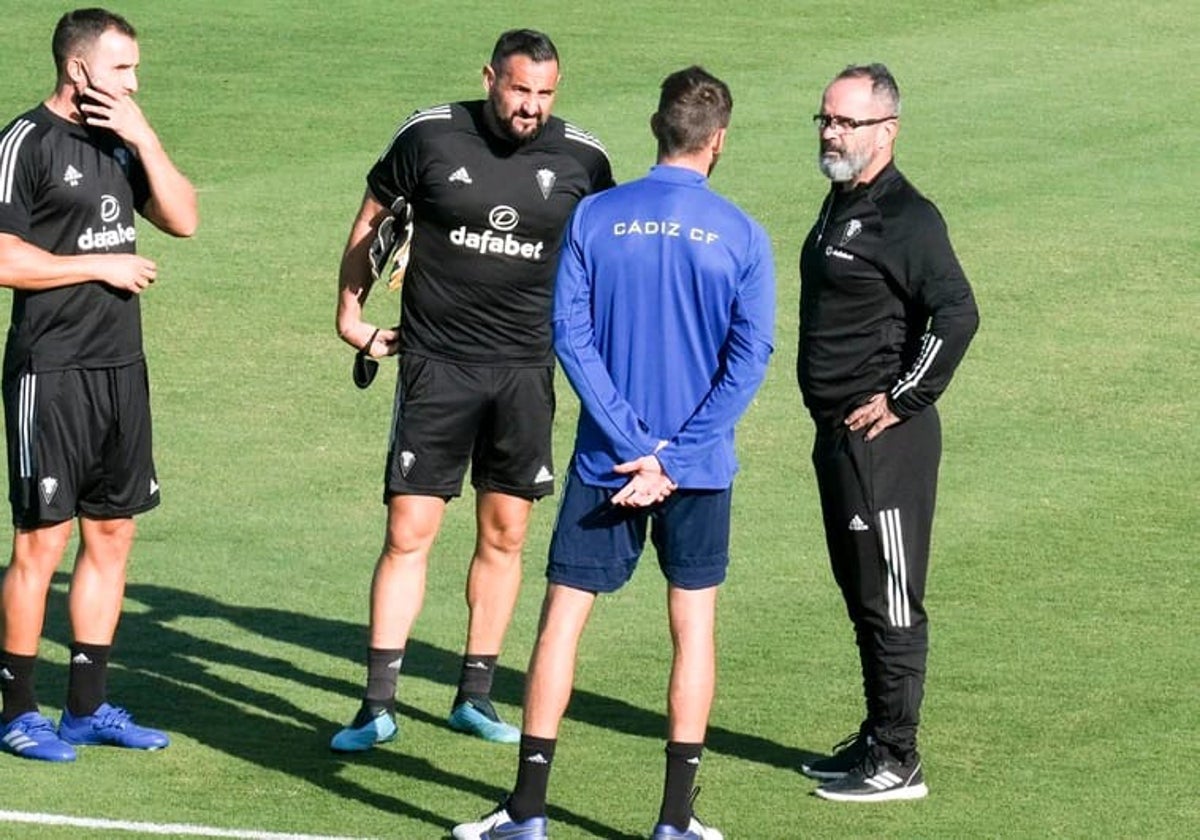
[157, 828]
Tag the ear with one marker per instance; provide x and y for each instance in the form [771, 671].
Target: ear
[489, 78]
[890, 129]
[718, 142]
[77, 71]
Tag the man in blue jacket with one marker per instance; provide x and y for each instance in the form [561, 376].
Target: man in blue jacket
[663, 320]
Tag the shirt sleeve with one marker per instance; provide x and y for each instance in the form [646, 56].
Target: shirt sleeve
[139, 183]
[928, 268]
[746, 353]
[575, 345]
[602, 176]
[396, 172]
[19, 164]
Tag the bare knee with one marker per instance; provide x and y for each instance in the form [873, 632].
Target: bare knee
[502, 522]
[38, 551]
[104, 544]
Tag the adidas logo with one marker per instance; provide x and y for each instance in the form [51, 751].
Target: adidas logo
[856, 524]
[395, 664]
[884, 780]
[18, 741]
[460, 176]
[153, 487]
[72, 176]
[478, 666]
[544, 475]
[407, 459]
[694, 761]
[6, 675]
[537, 758]
[80, 658]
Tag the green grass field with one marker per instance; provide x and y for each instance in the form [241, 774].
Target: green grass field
[1057, 139]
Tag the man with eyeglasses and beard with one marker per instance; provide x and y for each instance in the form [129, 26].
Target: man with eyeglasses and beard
[886, 315]
[489, 184]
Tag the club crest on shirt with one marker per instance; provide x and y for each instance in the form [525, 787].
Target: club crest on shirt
[545, 180]
[853, 229]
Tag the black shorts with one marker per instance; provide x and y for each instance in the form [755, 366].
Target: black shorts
[446, 415]
[79, 443]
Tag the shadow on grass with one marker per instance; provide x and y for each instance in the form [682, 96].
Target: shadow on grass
[167, 669]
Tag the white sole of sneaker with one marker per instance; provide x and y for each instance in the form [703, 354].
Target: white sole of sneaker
[894, 795]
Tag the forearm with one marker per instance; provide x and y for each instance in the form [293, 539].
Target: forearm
[354, 277]
[720, 411]
[172, 204]
[351, 328]
[29, 268]
[747, 352]
[942, 349]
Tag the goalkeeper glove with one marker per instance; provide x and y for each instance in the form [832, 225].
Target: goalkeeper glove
[389, 251]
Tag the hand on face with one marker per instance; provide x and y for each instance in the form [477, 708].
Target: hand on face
[105, 83]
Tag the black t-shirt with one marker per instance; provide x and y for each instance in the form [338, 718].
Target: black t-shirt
[884, 303]
[70, 190]
[488, 216]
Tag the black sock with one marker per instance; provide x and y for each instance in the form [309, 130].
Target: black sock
[87, 679]
[533, 777]
[475, 681]
[683, 760]
[16, 685]
[383, 671]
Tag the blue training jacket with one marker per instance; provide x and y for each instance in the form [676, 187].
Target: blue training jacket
[664, 312]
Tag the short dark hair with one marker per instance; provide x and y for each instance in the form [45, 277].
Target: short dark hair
[81, 28]
[536, 46]
[883, 83]
[693, 106]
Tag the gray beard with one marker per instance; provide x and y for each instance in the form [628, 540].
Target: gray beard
[844, 168]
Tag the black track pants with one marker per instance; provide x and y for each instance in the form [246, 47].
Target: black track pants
[877, 500]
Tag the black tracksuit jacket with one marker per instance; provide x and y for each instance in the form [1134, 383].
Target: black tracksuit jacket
[884, 303]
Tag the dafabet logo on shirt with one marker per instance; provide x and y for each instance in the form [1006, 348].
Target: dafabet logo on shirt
[504, 219]
[105, 238]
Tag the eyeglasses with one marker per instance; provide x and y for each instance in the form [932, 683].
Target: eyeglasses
[824, 121]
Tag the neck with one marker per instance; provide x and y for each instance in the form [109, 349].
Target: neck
[702, 162]
[63, 103]
[870, 173]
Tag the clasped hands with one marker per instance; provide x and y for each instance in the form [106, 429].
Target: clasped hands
[648, 484]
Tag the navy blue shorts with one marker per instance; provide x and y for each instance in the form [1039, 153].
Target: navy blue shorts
[596, 545]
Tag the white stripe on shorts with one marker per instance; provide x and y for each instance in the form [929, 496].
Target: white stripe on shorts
[26, 401]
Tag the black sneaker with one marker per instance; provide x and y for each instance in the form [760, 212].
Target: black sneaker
[878, 778]
[847, 754]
